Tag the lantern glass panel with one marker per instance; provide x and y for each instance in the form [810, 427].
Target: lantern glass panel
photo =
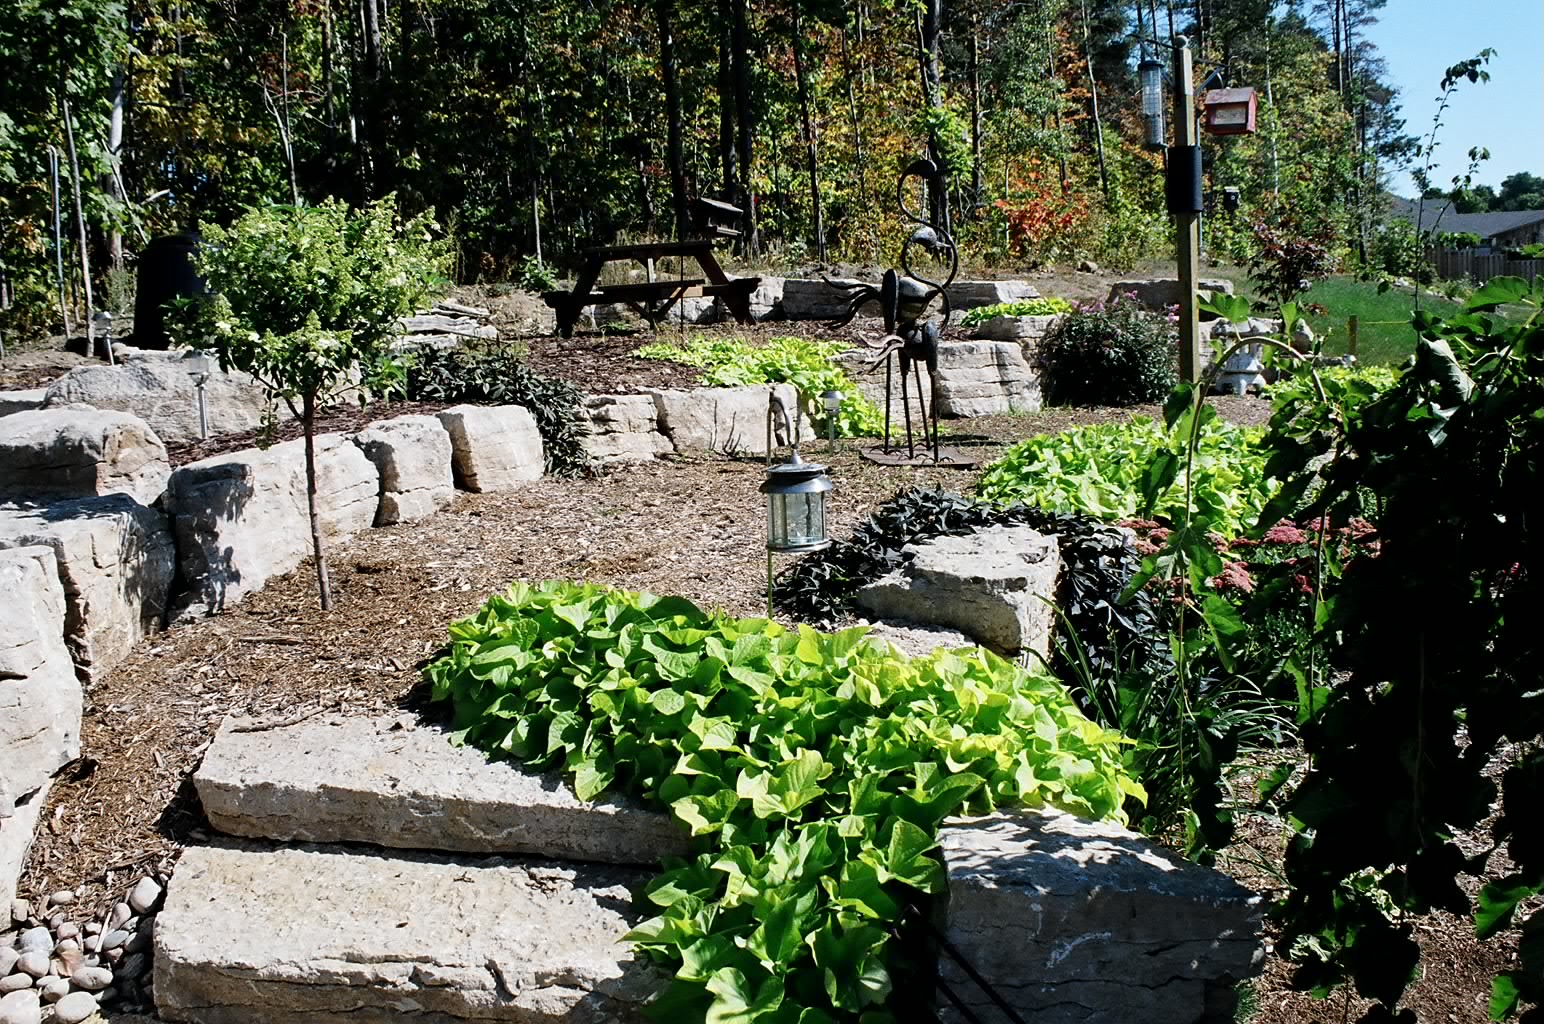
[796, 520]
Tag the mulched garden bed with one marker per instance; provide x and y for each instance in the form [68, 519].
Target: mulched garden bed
[691, 526]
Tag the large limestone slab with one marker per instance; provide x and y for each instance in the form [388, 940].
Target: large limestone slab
[393, 782]
[319, 935]
[494, 448]
[240, 519]
[78, 452]
[1163, 292]
[21, 401]
[158, 388]
[985, 378]
[805, 299]
[116, 562]
[996, 584]
[40, 698]
[766, 300]
[970, 294]
[622, 428]
[1080, 922]
[1017, 328]
[411, 455]
[16, 832]
[732, 420]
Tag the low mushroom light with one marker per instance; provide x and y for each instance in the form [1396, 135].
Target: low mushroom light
[833, 403]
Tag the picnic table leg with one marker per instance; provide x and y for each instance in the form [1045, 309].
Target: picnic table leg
[739, 303]
[569, 315]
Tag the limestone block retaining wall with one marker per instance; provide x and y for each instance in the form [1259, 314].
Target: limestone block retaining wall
[157, 387]
[21, 401]
[114, 560]
[1081, 922]
[412, 458]
[78, 452]
[985, 378]
[242, 518]
[40, 700]
[623, 428]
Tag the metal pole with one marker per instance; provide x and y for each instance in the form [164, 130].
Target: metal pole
[1352, 326]
[769, 583]
[1187, 226]
[203, 412]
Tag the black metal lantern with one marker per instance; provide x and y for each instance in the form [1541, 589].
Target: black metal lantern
[796, 497]
[796, 506]
[1150, 73]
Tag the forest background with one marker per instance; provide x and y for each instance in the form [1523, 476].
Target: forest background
[535, 129]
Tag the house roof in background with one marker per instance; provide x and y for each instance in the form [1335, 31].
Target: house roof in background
[1486, 225]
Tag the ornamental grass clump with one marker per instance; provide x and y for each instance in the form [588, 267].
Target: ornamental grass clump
[813, 769]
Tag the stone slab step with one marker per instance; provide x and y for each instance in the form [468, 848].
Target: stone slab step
[394, 782]
[309, 935]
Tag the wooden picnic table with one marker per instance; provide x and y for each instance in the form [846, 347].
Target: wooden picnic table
[651, 299]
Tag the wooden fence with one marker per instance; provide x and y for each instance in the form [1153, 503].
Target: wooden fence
[1452, 264]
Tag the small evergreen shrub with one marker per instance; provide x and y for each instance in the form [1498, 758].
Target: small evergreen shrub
[1109, 355]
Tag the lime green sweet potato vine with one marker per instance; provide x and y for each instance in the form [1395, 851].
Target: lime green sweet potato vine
[813, 768]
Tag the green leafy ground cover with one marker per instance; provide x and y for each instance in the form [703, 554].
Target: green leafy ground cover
[1047, 306]
[1100, 471]
[805, 363]
[813, 768]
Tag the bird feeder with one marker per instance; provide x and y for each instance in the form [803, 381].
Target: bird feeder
[1150, 74]
[1230, 111]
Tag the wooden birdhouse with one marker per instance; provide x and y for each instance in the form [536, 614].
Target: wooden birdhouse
[1230, 111]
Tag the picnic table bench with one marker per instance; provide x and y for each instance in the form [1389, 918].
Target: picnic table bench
[654, 298]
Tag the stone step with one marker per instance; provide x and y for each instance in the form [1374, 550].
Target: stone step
[393, 781]
[309, 935]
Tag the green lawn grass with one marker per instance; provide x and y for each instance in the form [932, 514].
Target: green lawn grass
[1384, 334]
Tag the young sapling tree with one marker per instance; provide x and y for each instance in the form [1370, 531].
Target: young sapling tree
[308, 301]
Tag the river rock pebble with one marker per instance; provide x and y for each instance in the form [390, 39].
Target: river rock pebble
[92, 979]
[8, 958]
[15, 983]
[34, 963]
[20, 911]
[144, 896]
[62, 898]
[113, 940]
[74, 1008]
[67, 930]
[120, 914]
[36, 940]
[20, 1008]
[54, 989]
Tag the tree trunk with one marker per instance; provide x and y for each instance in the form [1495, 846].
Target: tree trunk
[308, 425]
[747, 120]
[111, 181]
[375, 123]
[664, 11]
[976, 184]
[809, 132]
[80, 225]
[857, 142]
[53, 183]
[1093, 92]
[729, 179]
[329, 108]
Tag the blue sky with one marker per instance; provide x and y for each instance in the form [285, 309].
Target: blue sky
[1421, 38]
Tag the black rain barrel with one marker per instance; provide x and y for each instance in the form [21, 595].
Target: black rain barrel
[165, 273]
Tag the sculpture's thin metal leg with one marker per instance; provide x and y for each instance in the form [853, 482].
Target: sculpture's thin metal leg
[889, 363]
[911, 452]
[916, 372]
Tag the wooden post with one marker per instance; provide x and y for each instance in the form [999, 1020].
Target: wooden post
[1351, 329]
[1187, 226]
